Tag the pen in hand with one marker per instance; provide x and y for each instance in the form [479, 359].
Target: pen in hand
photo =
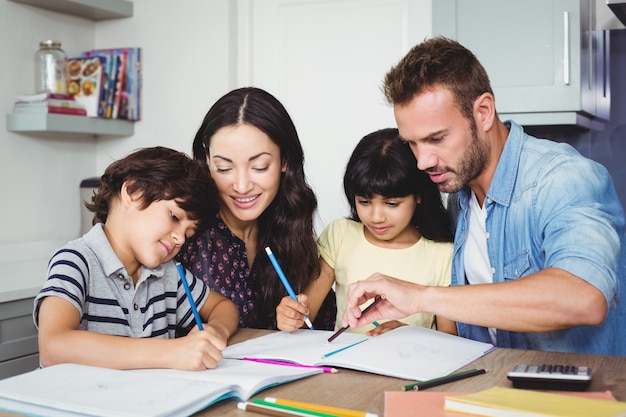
[194, 310]
[368, 308]
[283, 278]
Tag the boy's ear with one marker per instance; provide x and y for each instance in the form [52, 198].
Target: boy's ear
[125, 197]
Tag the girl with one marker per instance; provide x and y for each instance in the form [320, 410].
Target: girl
[398, 226]
[255, 158]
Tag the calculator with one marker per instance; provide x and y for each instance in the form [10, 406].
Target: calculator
[551, 377]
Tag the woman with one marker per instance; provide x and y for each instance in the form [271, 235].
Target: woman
[255, 158]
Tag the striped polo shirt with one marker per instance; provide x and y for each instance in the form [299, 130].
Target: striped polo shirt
[87, 273]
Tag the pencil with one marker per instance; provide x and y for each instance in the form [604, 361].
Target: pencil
[278, 410]
[443, 380]
[339, 412]
[343, 348]
[283, 278]
[369, 307]
[183, 278]
[325, 369]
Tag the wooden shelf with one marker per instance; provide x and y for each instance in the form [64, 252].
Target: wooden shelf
[61, 123]
[90, 9]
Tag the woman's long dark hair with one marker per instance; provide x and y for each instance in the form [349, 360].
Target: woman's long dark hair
[382, 164]
[286, 226]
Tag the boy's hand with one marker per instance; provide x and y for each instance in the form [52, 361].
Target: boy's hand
[200, 350]
[290, 313]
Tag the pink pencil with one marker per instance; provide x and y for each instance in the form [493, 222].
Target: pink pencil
[326, 369]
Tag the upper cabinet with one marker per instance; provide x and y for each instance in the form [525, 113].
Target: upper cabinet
[546, 64]
[90, 9]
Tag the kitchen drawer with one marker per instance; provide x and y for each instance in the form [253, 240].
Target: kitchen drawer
[19, 365]
[18, 335]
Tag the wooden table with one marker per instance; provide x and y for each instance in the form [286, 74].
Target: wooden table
[363, 391]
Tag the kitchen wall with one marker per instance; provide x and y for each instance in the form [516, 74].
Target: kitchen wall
[187, 66]
[190, 59]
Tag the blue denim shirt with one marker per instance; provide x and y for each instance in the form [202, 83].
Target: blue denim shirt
[547, 206]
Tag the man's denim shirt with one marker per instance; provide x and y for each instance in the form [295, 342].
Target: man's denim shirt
[547, 206]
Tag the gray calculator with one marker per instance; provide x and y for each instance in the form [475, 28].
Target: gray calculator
[551, 377]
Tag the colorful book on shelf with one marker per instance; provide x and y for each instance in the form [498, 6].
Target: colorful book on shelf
[84, 82]
[122, 72]
[80, 390]
[409, 352]
[430, 403]
[50, 109]
[40, 97]
[49, 102]
[513, 402]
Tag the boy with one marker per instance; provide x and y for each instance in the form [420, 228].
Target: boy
[114, 298]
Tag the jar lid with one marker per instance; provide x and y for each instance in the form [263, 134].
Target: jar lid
[50, 43]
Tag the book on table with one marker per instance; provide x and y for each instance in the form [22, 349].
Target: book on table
[430, 403]
[409, 352]
[80, 390]
[513, 402]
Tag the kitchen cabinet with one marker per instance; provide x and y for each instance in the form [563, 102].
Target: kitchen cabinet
[55, 123]
[546, 64]
[18, 337]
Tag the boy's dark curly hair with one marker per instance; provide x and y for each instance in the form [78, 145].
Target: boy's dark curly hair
[159, 173]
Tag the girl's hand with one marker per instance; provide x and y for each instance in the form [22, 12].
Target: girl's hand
[385, 327]
[290, 313]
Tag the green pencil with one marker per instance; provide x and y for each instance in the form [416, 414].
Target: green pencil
[443, 380]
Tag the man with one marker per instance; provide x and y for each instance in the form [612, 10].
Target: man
[537, 260]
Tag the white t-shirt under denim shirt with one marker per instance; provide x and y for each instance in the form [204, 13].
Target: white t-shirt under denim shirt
[549, 207]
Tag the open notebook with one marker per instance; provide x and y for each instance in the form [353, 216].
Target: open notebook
[80, 390]
[408, 352]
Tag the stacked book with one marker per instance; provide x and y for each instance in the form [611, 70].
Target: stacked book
[48, 103]
[107, 82]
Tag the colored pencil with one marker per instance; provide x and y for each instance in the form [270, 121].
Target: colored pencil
[343, 348]
[325, 369]
[443, 380]
[343, 329]
[183, 278]
[285, 282]
[278, 410]
[339, 412]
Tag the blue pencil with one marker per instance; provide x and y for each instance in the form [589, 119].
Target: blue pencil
[183, 278]
[343, 348]
[283, 278]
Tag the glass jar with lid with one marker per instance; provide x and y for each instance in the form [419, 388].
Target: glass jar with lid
[50, 68]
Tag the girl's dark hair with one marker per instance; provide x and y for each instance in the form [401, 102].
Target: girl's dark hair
[383, 164]
[159, 174]
[287, 224]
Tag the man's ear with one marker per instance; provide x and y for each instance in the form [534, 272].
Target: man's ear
[485, 111]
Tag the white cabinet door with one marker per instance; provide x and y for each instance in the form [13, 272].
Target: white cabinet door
[539, 54]
[325, 61]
